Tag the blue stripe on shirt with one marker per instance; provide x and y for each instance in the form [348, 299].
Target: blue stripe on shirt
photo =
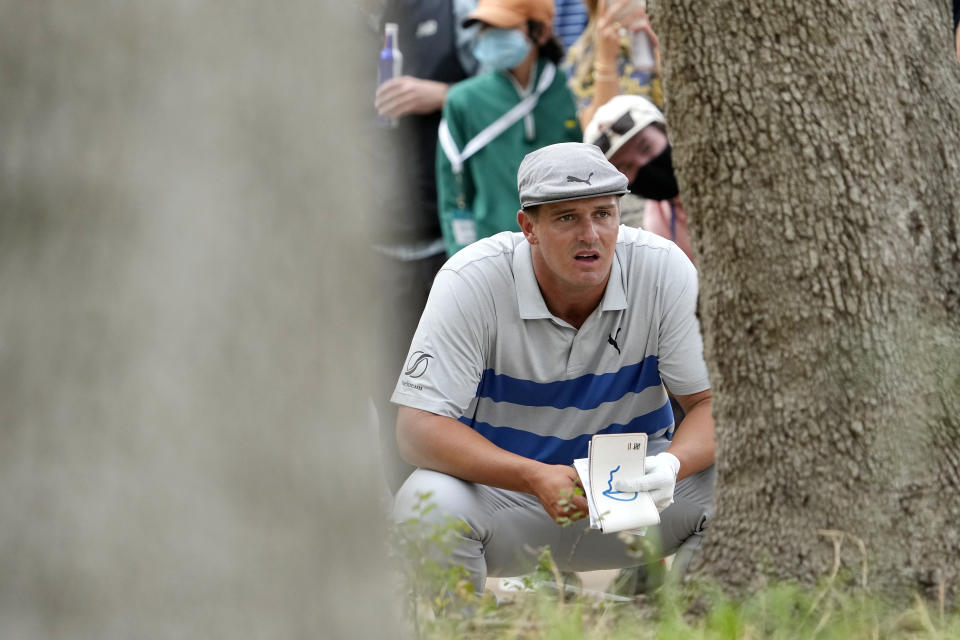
[585, 393]
[553, 450]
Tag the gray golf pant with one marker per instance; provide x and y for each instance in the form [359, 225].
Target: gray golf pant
[508, 529]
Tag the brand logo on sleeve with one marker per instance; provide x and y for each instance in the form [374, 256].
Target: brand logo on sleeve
[417, 364]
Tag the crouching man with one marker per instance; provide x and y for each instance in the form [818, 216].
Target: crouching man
[531, 343]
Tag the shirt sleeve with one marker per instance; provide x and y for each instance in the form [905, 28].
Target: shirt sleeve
[680, 356]
[447, 354]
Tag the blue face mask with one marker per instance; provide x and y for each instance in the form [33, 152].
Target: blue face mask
[501, 49]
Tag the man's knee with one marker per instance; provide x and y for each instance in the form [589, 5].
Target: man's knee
[686, 520]
[679, 522]
[699, 488]
[433, 497]
[446, 511]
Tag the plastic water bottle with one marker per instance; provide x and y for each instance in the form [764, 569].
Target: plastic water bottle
[391, 64]
[641, 50]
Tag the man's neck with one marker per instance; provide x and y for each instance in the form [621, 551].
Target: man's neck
[573, 314]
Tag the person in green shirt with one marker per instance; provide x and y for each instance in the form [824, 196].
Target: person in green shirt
[491, 121]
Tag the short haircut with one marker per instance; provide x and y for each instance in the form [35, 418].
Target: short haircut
[533, 210]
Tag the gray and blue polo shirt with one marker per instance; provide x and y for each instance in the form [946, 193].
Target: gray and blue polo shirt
[488, 352]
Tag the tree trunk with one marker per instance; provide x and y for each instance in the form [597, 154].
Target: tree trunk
[183, 442]
[818, 149]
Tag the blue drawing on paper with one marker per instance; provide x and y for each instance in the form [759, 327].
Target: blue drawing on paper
[618, 495]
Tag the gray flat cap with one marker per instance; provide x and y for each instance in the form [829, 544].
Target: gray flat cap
[567, 171]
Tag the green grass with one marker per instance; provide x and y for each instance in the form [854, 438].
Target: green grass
[699, 612]
[441, 603]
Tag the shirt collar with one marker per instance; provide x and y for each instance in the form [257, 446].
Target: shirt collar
[530, 299]
[535, 72]
[523, 92]
[615, 296]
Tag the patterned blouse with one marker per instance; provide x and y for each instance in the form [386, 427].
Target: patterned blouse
[578, 66]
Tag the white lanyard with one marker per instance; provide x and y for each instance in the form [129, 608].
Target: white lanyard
[498, 126]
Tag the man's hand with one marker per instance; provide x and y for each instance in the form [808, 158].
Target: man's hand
[660, 479]
[554, 485]
[401, 96]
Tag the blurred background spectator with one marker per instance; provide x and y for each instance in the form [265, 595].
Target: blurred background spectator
[437, 52]
[632, 133]
[571, 18]
[618, 52]
[490, 122]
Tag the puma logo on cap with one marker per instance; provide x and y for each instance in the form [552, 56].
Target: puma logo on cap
[576, 179]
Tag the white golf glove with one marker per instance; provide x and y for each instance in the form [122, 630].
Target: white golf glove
[659, 481]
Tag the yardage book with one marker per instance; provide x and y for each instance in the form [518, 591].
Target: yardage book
[609, 456]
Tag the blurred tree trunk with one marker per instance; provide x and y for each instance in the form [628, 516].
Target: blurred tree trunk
[184, 450]
[818, 149]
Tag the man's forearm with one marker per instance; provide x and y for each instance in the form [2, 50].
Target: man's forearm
[443, 444]
[693, 441]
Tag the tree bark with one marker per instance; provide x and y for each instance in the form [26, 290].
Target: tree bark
[817, 150]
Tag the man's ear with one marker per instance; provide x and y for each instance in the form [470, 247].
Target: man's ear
[526, 222]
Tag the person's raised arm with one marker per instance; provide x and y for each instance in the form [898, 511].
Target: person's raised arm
[606, 78]
[431, 441]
